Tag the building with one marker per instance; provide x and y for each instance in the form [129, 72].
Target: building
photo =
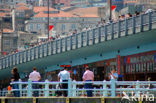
[63, 22]
[146, 4]
[25, 39]
[21, 13]
[9, 41]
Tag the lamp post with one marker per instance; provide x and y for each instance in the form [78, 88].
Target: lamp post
[110, 5]
[1, 28]
[48, 19]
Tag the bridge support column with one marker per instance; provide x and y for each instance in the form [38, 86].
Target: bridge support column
[102, 100]
[3, 100]
[34, 100]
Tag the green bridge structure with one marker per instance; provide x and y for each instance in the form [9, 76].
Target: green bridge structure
[126, 37]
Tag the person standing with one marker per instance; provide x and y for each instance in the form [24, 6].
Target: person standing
[88, 76]
[113, 75]
[35, 77]
[15, 78]
[64, 76]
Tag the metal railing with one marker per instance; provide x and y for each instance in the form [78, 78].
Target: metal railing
[76, 88]
[110, 31]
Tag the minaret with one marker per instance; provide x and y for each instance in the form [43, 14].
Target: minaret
[13, 19]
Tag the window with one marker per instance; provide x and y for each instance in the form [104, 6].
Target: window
[63, 27]
[73, 26]
[38, 27]
[31, 27]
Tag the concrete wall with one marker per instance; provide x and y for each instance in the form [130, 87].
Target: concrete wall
[70, 100]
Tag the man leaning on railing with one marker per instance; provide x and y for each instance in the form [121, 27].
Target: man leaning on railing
[35, 77]
[88, 76]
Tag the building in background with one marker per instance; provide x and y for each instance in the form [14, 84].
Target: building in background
[26, 40]
[145, 4]
[9, 43]
[63, 22]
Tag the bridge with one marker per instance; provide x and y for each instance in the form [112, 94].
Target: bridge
[125, 37]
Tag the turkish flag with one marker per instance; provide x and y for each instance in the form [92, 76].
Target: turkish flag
[51, 27]
[113, 7]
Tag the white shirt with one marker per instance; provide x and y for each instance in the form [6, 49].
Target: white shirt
[116, 75]
[64, 75]
[34, 76]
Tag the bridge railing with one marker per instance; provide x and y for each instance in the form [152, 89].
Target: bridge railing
[99, 34]
[76, 88]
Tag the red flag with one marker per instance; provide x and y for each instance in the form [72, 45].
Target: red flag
[50, 27]
[113, 7]
[128, 60]
[4, 53]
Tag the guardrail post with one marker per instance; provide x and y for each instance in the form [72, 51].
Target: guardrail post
[46, 91]
[56, 46]
[26, 55]
[34, 53]
[113, 88]
[47, 49]
[65, 43]
[112, 30]
[137, 87]
[20, 87]
[82, 39]
[71, 42]
[99, 34]
[104, 89]
[8, 61]
[2, 63]
[150, 20]
[142, 26]
[105, 28]
[76, 41]
[119, 29]
[15, 59]
[29, 92]
[31, 54]
[74, 88]
[126, 27]
[51, 44]
[87, 38]
[19, 59]
[42, 50]
[93, 33]
[134, 24]
[69, 88]
[60, 45]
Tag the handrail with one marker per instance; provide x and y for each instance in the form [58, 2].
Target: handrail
[106, 88]
[88, 37]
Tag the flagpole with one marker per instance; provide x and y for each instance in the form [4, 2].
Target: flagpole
[110, 4]
[48, 19]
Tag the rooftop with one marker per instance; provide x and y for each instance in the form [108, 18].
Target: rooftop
[42, 8]
[8, 31]
[85, 12]
[22, 8]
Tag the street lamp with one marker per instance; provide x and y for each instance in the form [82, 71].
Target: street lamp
[110, 5]
[1, 27]
[48, 19]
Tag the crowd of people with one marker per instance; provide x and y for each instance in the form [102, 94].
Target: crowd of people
[63, 76]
